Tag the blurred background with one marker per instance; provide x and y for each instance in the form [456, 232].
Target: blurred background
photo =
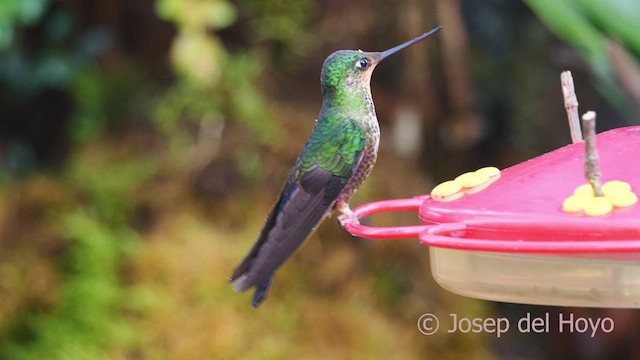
[143, 142]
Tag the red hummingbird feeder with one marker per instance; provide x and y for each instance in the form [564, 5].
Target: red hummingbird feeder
[513, 241]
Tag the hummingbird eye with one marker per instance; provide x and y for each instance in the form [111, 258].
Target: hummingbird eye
[362, 63]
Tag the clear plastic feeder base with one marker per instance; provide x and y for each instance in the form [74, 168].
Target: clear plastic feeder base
[568, 280]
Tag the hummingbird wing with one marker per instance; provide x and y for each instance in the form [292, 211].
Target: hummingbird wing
[328, 160]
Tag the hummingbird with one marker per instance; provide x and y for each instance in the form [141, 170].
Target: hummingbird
[336, 159]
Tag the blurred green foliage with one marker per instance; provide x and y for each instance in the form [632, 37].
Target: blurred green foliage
[216, 88]
[91, 313]
[103, 100]
[60, 61]
[89, 319]
[24, 70]
[282, 22]
[216, 14]
[15, 13]
[589, 25]
[110, 195]
[196, 54]
[232, 97]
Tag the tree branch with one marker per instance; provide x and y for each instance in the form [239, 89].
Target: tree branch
[591, 168]
[571, 105]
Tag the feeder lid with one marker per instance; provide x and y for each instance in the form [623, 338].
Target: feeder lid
[522, 210]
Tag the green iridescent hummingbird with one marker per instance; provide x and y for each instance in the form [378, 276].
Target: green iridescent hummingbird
[338, 156]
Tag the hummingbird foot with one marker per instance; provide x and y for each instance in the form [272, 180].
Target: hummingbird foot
[347, 216]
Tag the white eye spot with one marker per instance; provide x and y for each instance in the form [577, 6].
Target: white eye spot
[362, 63]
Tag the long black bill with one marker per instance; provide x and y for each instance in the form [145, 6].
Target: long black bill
[395, 49]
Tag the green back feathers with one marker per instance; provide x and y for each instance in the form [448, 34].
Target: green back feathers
[335, 145]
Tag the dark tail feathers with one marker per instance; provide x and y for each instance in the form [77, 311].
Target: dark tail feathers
[261, 292]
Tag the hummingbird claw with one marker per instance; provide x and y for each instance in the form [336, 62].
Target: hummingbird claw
[345, 219]
[347, 216]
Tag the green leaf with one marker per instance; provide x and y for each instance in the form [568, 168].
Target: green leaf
[567, 20]
[220, 14]
[168, 9]
[618, 18]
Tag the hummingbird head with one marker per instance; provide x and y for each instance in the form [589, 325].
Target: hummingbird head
[345, 69]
